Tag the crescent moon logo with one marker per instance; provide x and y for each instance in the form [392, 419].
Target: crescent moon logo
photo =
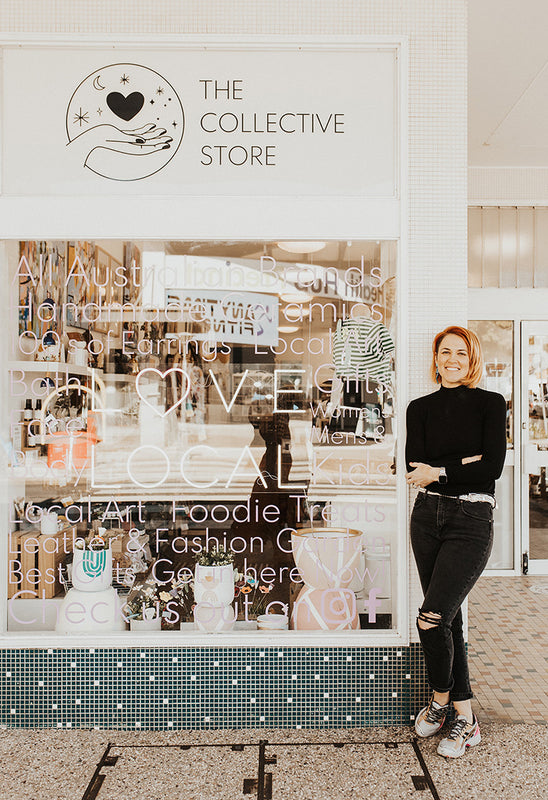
[102, 100]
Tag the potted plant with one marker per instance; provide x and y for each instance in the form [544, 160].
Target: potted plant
[148, 603]
[214, 590]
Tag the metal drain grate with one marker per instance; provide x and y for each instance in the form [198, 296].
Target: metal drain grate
[268, 762]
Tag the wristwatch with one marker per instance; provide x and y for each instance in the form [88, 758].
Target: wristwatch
[442, 478]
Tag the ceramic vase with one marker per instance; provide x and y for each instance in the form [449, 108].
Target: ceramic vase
[214, 585]
[214, 619]
[325, 609]
[328, 558]
[90, 612]
[92, 570]
[214, 593]
[154, 624]
[272, 622]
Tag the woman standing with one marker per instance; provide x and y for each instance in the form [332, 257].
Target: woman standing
[456, 444]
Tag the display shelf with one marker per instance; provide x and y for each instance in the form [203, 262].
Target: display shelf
[116, 377]
[49, 366]
[72, 369]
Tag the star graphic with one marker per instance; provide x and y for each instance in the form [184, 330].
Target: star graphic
[174, 124]
[82, 116]
[159, 90]
[124, 78]
[152, 102]
[99, 111]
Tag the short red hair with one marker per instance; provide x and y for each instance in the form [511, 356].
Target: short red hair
[473, 346]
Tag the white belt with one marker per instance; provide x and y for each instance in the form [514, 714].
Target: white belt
[473, 497]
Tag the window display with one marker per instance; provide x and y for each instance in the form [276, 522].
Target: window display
[202, 436]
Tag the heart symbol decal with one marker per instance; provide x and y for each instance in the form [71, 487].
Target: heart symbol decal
[125, 107]
[163, 375]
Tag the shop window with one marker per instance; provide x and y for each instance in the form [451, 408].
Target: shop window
[167, 398]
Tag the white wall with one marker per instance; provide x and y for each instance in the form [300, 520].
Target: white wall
[508, 186]
[435, 261]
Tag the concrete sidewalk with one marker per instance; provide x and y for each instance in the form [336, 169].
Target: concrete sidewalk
[382, 763]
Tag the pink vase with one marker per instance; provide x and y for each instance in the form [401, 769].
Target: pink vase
[325, 610]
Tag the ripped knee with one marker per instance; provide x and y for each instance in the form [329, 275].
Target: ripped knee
[428, 619]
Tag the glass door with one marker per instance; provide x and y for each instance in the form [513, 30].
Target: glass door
[534, 430]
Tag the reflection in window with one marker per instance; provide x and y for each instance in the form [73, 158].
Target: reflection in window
[497, 339]
[171, 398]
[497, 344]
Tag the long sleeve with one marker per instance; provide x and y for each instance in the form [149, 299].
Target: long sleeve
[415, 445]
[453, 424]
[415, 442]
[493, 449]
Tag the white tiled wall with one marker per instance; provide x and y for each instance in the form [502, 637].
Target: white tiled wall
[437, 34]
[513, 186]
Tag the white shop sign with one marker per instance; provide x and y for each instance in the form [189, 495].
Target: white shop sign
[283, 121]
[244, 317]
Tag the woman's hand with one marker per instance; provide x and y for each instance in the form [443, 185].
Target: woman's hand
[422, 475]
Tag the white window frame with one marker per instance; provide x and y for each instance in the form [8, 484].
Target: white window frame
[242, 218]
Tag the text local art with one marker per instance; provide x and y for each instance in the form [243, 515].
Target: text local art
[246, 511]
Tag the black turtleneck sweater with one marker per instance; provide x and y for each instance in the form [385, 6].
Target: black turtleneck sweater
[451, 424]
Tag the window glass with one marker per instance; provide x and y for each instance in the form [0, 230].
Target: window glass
[497, 342]
[168, 399]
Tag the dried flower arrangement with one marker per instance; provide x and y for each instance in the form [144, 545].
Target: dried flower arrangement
[215, 556]
[255, 594]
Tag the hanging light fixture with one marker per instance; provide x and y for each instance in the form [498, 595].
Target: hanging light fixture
[301, 247]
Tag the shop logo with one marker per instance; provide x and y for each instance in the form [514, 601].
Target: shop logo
[126, 120]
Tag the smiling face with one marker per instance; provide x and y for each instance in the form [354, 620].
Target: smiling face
[452, 360]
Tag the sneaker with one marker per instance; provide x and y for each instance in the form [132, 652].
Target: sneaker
[463, 734]
[430, 719]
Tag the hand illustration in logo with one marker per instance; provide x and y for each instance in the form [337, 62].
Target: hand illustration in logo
[98, 113]
[138, 142]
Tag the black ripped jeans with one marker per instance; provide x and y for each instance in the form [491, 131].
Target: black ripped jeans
[451, 541]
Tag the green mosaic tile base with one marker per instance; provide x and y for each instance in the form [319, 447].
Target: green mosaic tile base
[207, 688]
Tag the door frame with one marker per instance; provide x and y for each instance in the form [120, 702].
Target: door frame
[536, 566]
[519, 305]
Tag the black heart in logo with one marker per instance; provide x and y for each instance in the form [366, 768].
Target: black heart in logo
[125, 107]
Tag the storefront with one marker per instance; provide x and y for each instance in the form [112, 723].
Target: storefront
[207, 348]
[508, 282]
